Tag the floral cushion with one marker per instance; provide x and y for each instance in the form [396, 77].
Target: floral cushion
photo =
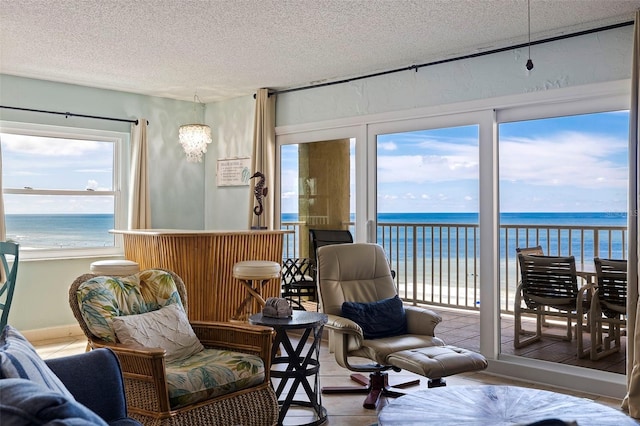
[103, 298]
[211, 373]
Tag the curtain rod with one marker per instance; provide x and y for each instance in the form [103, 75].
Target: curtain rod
[70, 114]
[458, 58]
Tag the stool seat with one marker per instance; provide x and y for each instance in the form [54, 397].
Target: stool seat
[114, 267]
[256, 270]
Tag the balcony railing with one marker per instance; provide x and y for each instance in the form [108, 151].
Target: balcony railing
[439, 263]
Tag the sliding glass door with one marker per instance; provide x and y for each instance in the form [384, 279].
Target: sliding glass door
[317, 190]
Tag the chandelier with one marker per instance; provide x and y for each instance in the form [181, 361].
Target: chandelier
[194, 138]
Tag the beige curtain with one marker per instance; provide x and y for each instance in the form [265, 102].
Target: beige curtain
[139, 200]
[263, 157]
[631, 401]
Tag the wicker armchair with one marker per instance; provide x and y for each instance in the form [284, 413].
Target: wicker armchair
[145, 378]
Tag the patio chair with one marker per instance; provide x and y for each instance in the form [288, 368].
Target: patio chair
[324, 237]
[176, 372]
[549, 287]
[10, 275]
[609, 306]
[299, 281]
[367, 319]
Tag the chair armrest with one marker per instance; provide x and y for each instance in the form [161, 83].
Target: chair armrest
[247, 338]
[95, 380]
[421, 320]
[349, 335]
[142, 368]
[343, 325]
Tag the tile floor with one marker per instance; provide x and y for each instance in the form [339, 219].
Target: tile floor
[343, 409]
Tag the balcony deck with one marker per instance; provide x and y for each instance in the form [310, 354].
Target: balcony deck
[462, 328]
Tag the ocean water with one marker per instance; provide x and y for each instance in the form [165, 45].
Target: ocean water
[450, 235]
[40, 231]
[92, 230]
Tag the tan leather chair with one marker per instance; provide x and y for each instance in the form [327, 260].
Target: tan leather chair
[360, 273]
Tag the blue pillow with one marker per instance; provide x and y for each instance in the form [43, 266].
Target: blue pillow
[23, 402]
[19, 360]
[383, 318]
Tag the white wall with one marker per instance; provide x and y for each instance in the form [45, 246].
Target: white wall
[594, 58]
[231, 121]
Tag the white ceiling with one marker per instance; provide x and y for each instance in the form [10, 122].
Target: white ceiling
[222, 49]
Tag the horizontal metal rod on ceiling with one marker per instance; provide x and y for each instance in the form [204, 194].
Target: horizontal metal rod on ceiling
[458, 58]
[71, 114]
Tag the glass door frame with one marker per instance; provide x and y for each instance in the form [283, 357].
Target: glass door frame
[488, 213]
[357, 132]
[493, 110]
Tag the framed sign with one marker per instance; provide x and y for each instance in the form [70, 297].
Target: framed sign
[234, 172]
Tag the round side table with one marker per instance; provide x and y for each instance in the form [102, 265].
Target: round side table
[294, 364]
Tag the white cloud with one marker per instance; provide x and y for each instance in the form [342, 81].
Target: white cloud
[92, 184]
[44, 146]
[388, 146]
[564, 159]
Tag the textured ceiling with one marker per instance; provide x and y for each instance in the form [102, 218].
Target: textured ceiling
[227, 48]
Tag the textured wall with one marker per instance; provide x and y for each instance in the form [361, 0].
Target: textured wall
[601, 57]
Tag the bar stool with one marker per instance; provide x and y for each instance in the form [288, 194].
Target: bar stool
[119, 267]
[253, 274]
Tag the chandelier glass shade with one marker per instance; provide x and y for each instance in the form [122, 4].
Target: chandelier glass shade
[194, 139]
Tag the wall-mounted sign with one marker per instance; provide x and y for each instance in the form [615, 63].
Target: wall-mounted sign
[233, 172]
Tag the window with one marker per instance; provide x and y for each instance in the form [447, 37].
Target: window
[62, 189]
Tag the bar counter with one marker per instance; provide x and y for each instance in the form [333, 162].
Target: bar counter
[204, 260]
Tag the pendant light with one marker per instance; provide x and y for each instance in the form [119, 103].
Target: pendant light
[194, 138]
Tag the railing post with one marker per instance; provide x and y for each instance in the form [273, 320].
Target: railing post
[414, 269]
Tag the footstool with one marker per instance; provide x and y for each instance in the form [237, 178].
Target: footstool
[436, 362]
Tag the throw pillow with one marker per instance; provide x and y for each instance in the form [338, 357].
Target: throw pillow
[102, 298]
[23, 402]
[383, 318]
[166, 328]
[19, 360]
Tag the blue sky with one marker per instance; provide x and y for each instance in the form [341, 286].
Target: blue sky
[567, 164]
[56, 163]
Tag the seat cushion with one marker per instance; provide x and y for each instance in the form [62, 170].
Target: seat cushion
[380, 349]
[211, 373]
[103, 298]
[383, 318]
[114, 267]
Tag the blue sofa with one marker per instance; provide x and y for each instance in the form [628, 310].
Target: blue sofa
[93, 378]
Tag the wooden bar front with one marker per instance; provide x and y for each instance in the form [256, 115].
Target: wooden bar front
[204, 260]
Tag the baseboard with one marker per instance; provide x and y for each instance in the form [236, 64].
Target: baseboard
[50, 333]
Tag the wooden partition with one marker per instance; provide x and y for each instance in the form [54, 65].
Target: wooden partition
[204, 260]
